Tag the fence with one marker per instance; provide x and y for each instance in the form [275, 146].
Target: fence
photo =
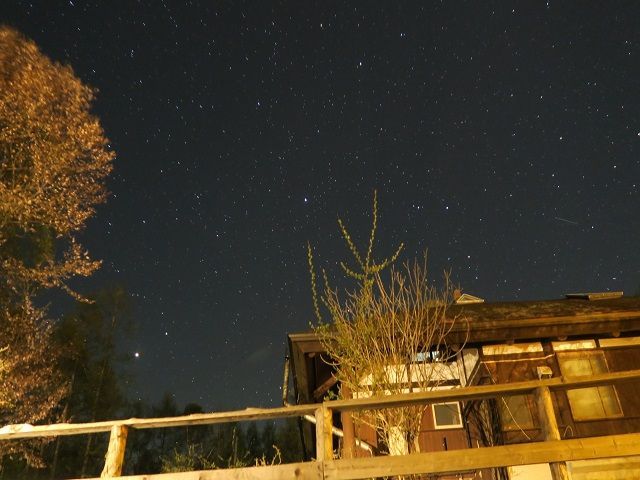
[552, 450]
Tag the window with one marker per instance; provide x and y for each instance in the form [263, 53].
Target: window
[593, 402]
[573, 345]
[515, 412]
[446, 415]
[436, 354]
[514, 348]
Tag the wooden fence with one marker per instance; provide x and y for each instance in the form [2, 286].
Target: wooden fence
[552, 450]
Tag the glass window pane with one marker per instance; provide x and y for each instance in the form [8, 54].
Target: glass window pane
[515, 412]
[447, 414]
[575, 366]
[594, 402]
[585, 403]
[610, 402]
[598, 365]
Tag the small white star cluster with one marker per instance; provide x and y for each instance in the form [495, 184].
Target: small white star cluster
[503, 139]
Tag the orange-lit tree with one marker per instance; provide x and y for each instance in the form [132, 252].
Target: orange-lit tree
[54, 159]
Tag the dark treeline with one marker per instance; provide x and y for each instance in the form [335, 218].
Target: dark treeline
[166, 450]
[96, 372]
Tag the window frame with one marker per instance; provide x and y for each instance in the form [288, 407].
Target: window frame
[508, 422]
[448, 426]
[587, 355]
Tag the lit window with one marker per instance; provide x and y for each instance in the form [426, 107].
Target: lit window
[447, 415]
[514, 348]
[421, 357]
[515, 412]
[573, 345]
[593, 402]
[434, 355]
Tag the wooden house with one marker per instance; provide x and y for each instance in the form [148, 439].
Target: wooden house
[582, 334]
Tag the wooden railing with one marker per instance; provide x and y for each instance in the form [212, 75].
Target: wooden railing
[552, 450]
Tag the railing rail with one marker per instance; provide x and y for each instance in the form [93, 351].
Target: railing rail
[553, 450]
[12, 432]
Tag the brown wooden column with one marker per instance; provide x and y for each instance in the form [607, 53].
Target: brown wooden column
[115, 453]
[550, 430]
[349, 439]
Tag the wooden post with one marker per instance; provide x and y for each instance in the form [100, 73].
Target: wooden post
[550, 430]
[349, 439]
[324, 434]
[115, 452]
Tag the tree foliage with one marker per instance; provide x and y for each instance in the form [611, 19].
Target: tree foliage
[387, 336]
[54, 153]
[54, 159]
[31, 385]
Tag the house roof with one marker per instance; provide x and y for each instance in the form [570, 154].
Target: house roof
[498, 322]
[510, 321]
[547, 308]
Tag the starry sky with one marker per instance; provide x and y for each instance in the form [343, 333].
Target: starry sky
[504, 137]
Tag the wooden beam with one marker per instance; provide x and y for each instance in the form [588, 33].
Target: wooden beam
[545, 327]
[324, 433]
[482, 391]
[319, 392]
[546, 414]
[426, 463]
[550, 430]
[11, 432]
[115, 452]
[453, 461]
[574, 321]
[348, 428]
[328, 432]
[299, 471]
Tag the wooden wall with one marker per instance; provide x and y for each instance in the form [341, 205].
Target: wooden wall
[522, 366]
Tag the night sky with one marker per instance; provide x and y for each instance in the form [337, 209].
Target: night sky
[502, 137]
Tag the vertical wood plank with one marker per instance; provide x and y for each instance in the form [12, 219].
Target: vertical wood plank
[319, 414]
[324, 433]
[115, 453]
[349, 439]
[328, 432]
[549, 424]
